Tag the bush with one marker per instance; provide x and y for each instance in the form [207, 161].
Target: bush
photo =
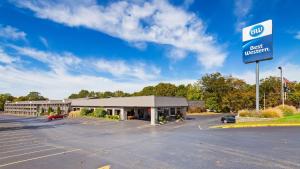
[52, 113]
[247, 113]
[287, 110]
[74, 114]
[85, 112]
[271, 113]
[113, 117]
[99, 112]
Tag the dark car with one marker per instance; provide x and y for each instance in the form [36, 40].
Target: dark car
[228, 119]
[53, 117]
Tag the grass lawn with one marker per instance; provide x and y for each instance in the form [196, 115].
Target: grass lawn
[293, 120]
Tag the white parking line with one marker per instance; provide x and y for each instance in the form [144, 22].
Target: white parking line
[13, 134]
[32, 152]
[21, 161]
[27, 148]
[16, 137]
[21, 143]
[18, 140]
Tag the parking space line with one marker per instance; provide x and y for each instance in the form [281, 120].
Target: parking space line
[13, 134]
[31, 159]
[27, 148]
[32, 152]
[21, 143]
[16, 137]
[18, 140]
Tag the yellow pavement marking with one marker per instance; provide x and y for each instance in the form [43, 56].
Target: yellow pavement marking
[27, 148]
[105, 167]
[30, 159]
[32, 152]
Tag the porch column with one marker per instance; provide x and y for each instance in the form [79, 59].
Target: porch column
[183, 111]
[123, 114]
[154, 116]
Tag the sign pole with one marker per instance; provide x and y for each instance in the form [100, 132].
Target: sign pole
[257, 86]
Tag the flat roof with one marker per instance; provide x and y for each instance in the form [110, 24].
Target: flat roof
[41, 102]
[134, 101]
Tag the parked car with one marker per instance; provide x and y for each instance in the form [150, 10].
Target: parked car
[53, 117]
[228, 119]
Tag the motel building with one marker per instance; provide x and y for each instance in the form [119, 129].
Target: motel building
[148, 108]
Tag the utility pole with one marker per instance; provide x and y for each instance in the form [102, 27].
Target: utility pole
[282, 90]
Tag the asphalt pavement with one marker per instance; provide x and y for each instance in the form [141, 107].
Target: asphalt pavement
[31, 142]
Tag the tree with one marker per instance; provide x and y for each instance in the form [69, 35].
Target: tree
[147, 91]
[4, 98]
[33, 96]
[165, 89]
[214, 88]
[194, 92]
[271, 88]
[58, 111]
[50, 110]
[181, 91]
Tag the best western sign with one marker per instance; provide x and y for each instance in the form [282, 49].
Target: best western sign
[258, 42]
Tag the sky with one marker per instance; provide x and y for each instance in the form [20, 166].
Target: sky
[59, 47]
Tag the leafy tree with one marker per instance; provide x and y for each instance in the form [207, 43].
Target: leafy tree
[181, 91]
[147, 91]
[58, 111]
[271, 88]
[49, 110]
[4, 98]
[165, 89]
[33, 96]
[194, 92]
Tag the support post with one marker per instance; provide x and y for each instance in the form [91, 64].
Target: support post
[257, 86]
[282, 90]
[154, 115]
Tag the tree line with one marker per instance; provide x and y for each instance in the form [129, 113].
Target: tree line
[220, 93]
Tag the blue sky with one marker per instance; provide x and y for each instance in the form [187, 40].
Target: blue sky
[59, 47]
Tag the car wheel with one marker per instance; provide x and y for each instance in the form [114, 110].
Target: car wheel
[225, 121]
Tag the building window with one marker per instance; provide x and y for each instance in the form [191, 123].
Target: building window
[172, 112]
[109, 111]
[178, 110]
[117, 112]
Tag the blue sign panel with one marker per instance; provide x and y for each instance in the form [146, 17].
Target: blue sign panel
[258, 42]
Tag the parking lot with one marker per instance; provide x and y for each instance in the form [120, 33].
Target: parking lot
[88, 143]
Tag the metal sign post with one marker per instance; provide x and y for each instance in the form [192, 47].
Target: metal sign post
[257, 86]
[258, 46]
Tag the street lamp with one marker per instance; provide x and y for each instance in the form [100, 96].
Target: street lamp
[282, 92]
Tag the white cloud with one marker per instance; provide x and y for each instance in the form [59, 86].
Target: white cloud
[13, 33]
[60, 84]
[241, 11]
[157, 21]
[5, 58]
[120, 68]
[44, 41]
[290, 71]
[177, 54]
[297, 36]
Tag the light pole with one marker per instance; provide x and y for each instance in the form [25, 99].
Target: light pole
[282, 92]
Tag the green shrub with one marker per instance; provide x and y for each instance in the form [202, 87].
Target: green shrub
[113, 117]
[52, 113]
[287, 110]
[58, 111]
[85, 112]
[271, 113]
[99, 112]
